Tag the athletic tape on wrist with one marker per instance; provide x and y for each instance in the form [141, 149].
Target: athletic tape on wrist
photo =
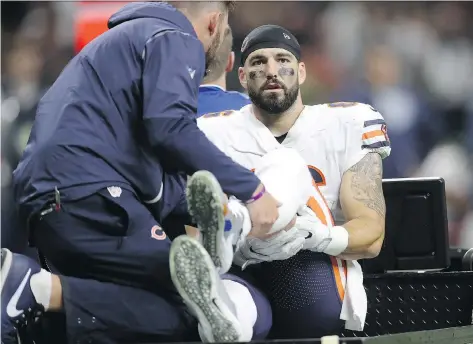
[339, 241]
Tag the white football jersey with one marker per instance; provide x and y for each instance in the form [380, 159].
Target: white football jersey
[330, 137]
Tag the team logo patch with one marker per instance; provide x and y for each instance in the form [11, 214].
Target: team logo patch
[114, 191]
[191, 72]
[384, 129]
[158, 233]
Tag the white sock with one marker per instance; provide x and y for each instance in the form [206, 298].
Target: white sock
[240, 218]
[245, 307]
[41, 285]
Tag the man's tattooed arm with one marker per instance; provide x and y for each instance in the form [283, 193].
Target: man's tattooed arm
[366, 183]
[364, 208]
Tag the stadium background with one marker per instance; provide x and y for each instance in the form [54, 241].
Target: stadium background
[412, 61]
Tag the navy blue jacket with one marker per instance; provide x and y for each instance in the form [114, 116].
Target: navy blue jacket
[215, 99]
[120, 107]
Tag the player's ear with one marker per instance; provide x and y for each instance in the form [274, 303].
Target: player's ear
[302, 73]
[213, 22]
[230, 62]
[242, 78]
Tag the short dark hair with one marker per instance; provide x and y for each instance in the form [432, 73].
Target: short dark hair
[226, 6]
[217, 67]
[230, 5]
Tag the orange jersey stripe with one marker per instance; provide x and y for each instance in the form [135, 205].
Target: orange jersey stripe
[317, 209]
[324, 204]
[371, 134]
[338, 278]
[319, 206]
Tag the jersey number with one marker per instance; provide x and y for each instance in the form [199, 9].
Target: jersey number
[318, 179]
[317, 176]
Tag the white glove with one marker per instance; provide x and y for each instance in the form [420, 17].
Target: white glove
[281, 246]
[331, 240]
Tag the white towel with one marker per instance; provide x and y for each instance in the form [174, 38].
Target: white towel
[355, 303]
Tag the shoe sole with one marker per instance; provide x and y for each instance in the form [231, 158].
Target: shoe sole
[204, 199]
[7, 259]
[195, 278]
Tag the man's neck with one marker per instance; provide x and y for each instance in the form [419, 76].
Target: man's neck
[220, 82]
[282, 123]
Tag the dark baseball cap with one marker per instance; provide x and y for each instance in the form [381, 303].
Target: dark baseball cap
[269, 36]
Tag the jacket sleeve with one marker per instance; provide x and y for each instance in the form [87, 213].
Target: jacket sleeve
[172, 72]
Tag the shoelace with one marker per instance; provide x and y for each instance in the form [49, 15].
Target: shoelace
[28, 318]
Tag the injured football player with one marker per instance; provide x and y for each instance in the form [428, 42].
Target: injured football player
[317, 288]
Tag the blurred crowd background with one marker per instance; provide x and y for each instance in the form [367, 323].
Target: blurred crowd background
[413, 61]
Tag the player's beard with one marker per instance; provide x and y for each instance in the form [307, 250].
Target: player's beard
[272, 103]
[211, 54]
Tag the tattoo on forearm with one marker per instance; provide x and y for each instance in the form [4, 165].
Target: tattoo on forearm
[366, 183]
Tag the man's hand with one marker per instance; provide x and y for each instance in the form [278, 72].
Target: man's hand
[316, 234]
[280, 246]
[263, 213]
[331, 240]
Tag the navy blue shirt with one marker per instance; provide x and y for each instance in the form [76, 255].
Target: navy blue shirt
[120, 107]
[216, 99]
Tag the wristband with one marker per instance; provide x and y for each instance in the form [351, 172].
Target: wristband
[339, 242]
[257, 196]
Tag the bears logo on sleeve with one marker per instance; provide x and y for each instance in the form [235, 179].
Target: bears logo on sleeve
[384, 129]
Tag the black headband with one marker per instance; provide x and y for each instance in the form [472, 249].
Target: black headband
[269, 36]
